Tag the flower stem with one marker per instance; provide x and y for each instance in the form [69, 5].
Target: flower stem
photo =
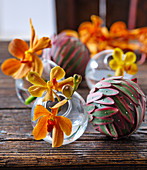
[30, 99]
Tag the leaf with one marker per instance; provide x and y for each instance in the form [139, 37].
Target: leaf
[127, 92]
[112, 81]
[93, 97]
[123, 109]
[112, 130]
[135, 85]
[104, 129]
[102, 84]
[98, 121]
[105, 100]
[105, 112]
[128, 85]
[109, 91]
[90, 108]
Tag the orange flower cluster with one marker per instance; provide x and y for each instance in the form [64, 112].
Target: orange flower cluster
[98, 38]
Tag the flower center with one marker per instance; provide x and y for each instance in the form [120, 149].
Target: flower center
[50, 125]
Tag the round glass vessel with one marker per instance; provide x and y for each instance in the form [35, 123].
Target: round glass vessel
[74, 109]
[98, 68]
[22, 85]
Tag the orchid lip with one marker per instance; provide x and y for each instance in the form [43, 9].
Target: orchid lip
[61, 113]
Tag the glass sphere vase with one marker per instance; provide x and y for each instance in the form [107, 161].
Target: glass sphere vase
[22, 85]
[74, 109]
[98, 68]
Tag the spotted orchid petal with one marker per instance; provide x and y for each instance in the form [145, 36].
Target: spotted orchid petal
[65, 124]
[37, 91]
[17, 48]
[40, 111]
[58, 136]
[57, 72]
[35, 79]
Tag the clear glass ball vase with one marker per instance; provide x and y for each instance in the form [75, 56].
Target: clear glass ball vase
[22, 85]
[98, 68]
[74, 109]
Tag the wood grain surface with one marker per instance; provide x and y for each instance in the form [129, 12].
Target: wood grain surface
[19, 150]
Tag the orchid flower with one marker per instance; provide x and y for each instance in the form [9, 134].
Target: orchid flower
[50, 122]
[27, 59]
[120, 65]
[39, 85]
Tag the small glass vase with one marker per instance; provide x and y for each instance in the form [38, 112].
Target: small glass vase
[22, 85]
[74, 109]
[98, 68]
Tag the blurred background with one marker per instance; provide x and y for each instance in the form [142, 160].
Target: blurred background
[53, 16]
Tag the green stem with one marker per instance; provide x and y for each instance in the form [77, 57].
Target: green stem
[30, 99]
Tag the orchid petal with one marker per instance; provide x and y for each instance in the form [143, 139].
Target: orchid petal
[119, 71]
[35, 79]
[40, 111]
[131, 69]
[71, 33]
[42, 43]
[96, 20]
[37, 91]
[68, 81]
[32, 34]
[117, 54]
[57, 72]
[114, 64]
[40, 130]
[59, 104]
[130, 57]
[65, 124]
[10, 66]
[49, 95]
[58, 136]
[22, 71]
[17, 48]
[38, 65]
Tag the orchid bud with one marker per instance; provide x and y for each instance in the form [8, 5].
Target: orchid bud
[67, 90]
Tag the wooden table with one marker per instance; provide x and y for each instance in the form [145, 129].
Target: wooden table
[19, 149]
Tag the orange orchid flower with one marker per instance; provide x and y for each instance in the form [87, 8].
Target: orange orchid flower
[39, 85]
[50, 122]
[27, 59]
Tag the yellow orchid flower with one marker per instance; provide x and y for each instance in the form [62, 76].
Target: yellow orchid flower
[27, 60]
[50, 122]
[40, 85]
[120, 65]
